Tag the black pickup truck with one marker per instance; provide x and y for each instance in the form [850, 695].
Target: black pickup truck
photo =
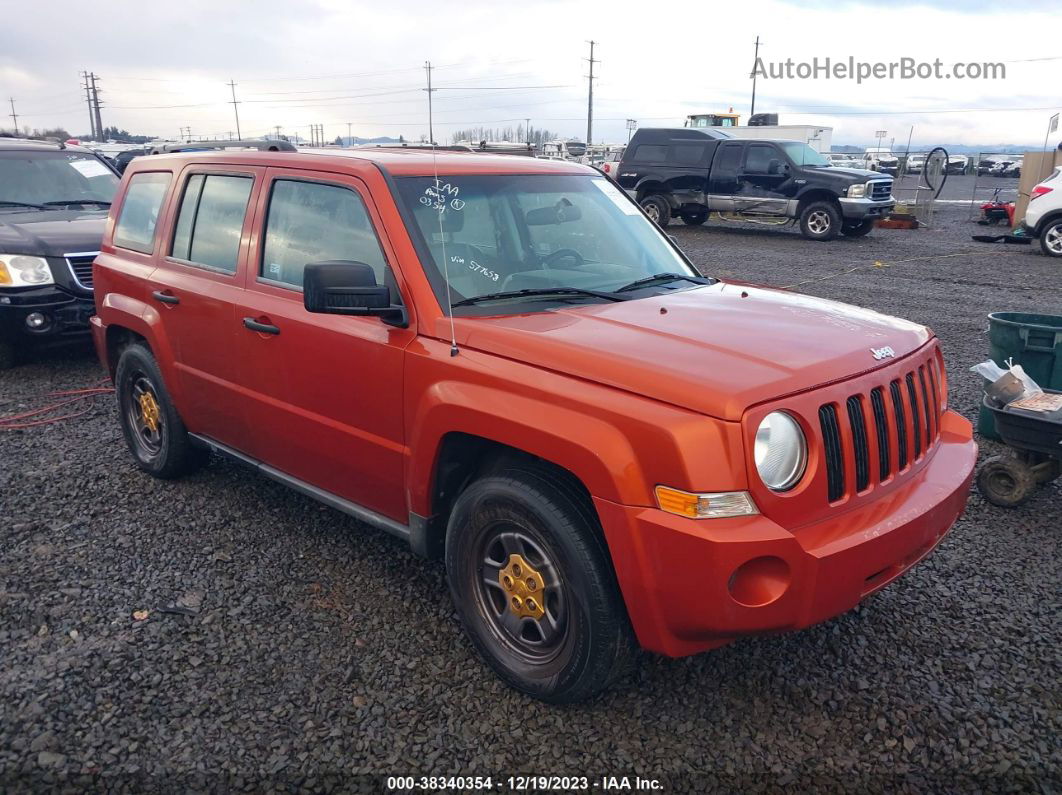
[690, 173]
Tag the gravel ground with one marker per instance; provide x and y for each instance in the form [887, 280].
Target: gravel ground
[288, 646]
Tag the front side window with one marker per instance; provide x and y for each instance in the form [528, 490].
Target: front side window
[507, 232]
[210, 220]
[312, 222]
[803, 155]
[135, 228]
[758, 158]
[54, 178]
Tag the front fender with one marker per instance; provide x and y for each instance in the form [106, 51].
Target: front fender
[116, 310]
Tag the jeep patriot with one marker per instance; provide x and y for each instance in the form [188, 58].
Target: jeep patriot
[505, 363]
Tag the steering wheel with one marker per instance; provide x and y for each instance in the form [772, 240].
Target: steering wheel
[564, 253]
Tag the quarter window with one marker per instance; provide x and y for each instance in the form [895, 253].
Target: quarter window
[135, 228]
[312, 222]
[210, 221]
[651, 153]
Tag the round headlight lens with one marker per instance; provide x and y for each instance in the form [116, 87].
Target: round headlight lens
[781, 451]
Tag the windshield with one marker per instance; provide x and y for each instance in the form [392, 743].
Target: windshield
[55, 176]
[803, 155]
[507, 232]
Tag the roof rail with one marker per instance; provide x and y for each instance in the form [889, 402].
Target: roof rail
[44, 141]
[261, 144]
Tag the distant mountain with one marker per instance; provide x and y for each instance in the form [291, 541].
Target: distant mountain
[954, 149]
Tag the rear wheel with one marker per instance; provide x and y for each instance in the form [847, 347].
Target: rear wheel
[1005, 481]
[820, 221]
[1051, 239]
[858, 228]
[694, 217]
[531, 580]
[154, 432]
[657, 208]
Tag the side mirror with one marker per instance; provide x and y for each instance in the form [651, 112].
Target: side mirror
[774, 167]
[343, 287]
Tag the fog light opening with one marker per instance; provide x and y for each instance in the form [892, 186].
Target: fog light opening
[38, 321]
[760, 581]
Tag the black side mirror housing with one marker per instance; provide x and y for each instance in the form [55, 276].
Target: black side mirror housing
[774, 167]
[344, 287]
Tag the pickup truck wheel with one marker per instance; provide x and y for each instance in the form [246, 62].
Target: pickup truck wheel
[531, 580]
[1051, 239]
[154, 432]
[820, 221]
[657, 208]
[694, 217]
[857, 228]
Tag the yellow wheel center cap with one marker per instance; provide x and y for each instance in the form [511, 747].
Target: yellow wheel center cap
[525, 587]
[149, 411]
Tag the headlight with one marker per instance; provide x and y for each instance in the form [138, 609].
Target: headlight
[780, 452]
[18, 270]
[857, 191]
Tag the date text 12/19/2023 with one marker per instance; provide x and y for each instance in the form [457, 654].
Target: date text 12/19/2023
[522, 783]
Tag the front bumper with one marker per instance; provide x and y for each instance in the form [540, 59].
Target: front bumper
[66, 315]
[860, 209]
[691, 585]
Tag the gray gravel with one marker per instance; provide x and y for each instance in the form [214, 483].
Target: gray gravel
[288, 646]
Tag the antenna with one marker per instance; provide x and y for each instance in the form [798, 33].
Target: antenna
[442, 235]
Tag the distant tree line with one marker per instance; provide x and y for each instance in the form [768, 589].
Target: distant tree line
[515, 134]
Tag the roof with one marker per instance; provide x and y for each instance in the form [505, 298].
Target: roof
[397, 161]
[28, 145]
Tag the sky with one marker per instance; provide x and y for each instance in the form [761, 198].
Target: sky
[163, 66]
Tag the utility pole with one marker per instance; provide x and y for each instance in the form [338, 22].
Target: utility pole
[755, 62]
[235, 110]
[14, 116]
[350, 136]
[88, 99]
[527, 130]
[590, 99]
[632, 124]
[96, 106]
[431, 128]
[277, 128]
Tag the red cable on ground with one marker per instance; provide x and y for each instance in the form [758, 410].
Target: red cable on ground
[11, 423]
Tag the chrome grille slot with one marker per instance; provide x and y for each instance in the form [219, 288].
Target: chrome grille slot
[881, 189]
[81, 267]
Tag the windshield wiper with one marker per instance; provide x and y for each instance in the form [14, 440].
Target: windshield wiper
[663, 277]
[533, 292]
[22, 204]
[79, 201]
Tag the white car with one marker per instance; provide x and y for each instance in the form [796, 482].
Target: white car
[916, 163]
[881, 160]
[843, 160]
[1043, 218]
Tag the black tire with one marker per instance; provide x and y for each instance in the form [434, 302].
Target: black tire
[8, 355]
[154, 432]
[820, 221]
[582, 641]
[857, 228]
[694, 217]
[1005, 481]
[657, 208]
[1051, 238]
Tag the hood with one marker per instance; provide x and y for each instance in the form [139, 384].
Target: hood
[51, 233]
[717, 349]
[855, 174]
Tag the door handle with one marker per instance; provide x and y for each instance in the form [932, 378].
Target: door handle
[263, 328]
[165, 298]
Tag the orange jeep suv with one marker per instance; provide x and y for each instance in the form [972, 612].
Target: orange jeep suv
[503, 362]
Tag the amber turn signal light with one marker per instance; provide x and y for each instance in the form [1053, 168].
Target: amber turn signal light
[712, 505]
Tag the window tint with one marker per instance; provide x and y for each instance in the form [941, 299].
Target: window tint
[757, 158]
[728, 158]
[687, 154]
[311, 222]
[135, 228]
[651, 153]
[211, 219]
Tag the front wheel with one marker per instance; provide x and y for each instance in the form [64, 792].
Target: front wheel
[1051, 239]
[657, 208]
[820, 221]
[153, 430]
[858, 228]
[531, 580]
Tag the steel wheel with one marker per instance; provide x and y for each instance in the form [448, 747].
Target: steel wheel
[819, 222]
[521, 593]
[144, 416]
[653, 212]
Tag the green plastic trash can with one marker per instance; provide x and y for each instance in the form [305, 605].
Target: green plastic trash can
[1034, 342]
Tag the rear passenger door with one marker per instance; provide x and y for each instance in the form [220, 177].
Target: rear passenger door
[324, 392]
[195, 290]
[763, 171]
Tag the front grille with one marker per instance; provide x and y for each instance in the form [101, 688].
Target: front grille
[81, 267]
[881, 189]
[904, 434]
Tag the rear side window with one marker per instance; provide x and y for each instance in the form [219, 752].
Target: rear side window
[728, 157]
[687, 154]
[210, 220]
[135, 228]
[312, 222]
[650, 153]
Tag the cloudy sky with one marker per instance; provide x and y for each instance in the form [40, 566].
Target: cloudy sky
[164, 66]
